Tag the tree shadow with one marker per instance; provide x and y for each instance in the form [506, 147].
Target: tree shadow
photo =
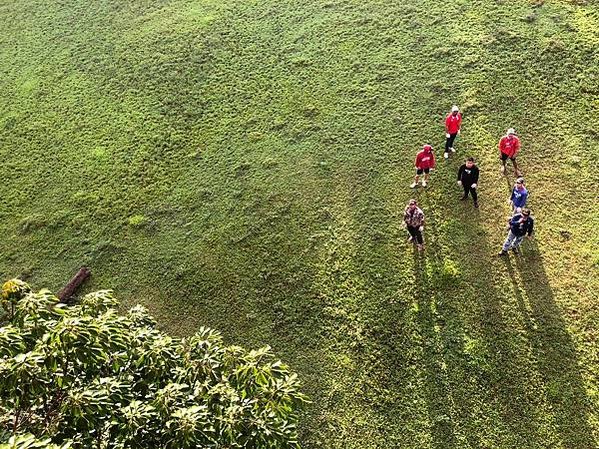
[552, 348]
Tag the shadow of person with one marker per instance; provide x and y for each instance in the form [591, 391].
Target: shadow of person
[500, 377]
[432, 317]
[502, 366]
[474, 362]
[553, 349]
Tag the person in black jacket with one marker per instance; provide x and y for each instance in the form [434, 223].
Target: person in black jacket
[468, 179]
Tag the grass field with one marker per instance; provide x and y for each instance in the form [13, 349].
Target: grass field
[245, 164]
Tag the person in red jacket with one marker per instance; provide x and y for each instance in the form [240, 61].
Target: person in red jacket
[509, 145]
[425, 162]
[453, 121]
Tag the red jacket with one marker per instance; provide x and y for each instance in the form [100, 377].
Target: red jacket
[453, 123]
[509, 145]
[425, 159]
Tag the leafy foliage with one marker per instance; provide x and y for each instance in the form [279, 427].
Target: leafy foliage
[85, 376]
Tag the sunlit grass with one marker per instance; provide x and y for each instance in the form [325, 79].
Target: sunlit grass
[244, 165]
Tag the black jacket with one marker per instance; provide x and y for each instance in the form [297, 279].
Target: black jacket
[468, 176]
[520, 225]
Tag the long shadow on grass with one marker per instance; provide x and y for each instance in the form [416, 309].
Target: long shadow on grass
[433, 315]
[491, 373]
[471, 352]
[552, 348]
[505, 379]
[528, 375]
[479, 380]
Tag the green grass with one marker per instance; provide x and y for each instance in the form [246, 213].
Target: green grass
[245, 164]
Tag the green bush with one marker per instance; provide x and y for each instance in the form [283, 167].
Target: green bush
[85, 376]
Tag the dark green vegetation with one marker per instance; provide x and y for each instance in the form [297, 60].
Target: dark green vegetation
[244, 165]
[87, 376]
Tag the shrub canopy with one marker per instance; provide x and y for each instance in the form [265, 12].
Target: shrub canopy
[85, 376]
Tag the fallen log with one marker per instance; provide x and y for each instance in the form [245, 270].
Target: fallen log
[70, 289]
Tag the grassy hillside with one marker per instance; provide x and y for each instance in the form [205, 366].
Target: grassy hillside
[245, 164]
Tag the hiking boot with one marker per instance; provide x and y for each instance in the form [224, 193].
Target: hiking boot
[420, 247]
[452, 149]
[502, 253]
[423, 183]
[476, 204]
[446, 155]
[413, 185]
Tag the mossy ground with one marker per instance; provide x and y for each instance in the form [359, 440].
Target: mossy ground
[244, 165]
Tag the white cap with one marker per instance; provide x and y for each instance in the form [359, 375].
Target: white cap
[454, 108]
[511, 131]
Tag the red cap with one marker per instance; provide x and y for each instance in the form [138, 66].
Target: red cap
[427, 148]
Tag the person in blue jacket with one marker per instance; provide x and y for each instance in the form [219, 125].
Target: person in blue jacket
[520, 225]
[519, 196]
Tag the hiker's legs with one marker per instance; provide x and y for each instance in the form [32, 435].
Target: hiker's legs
[466, 190]
[508, 241]
[516, 171]
[418, 235]
[503, 158]
[517, 242]
[412, 230]
[449, 141]
[474, 194]
[419, 171]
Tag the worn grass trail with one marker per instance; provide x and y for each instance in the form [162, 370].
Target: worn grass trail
[244, 165]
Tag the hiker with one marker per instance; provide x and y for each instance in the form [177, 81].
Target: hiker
[509, 145]
[425, 162]
[453, 121]
[468, 179]
[519, 225]
[519, 196]
[413, 217]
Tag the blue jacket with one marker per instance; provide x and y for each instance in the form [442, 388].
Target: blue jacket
[519, 228]
[519, 197]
